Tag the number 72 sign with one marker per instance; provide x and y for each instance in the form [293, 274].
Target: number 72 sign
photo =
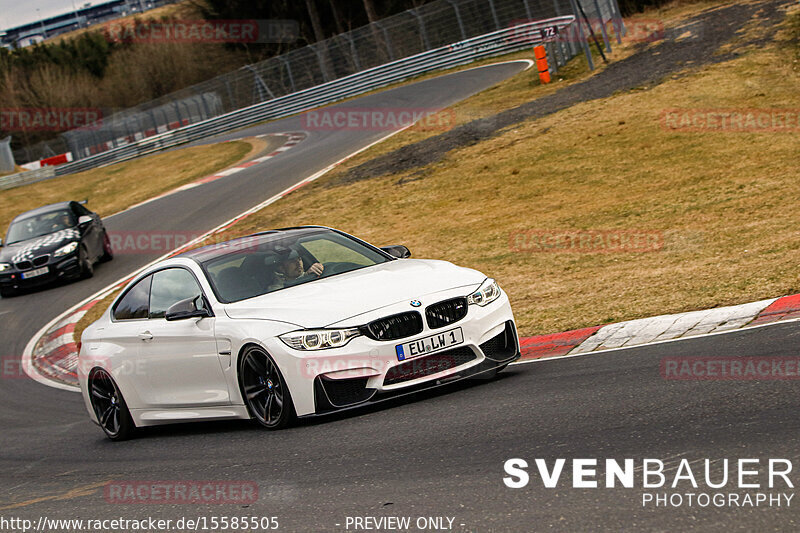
[549, 33]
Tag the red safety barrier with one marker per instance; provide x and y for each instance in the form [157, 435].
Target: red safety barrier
[56, 160]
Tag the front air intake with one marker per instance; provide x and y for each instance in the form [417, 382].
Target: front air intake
[429, 365]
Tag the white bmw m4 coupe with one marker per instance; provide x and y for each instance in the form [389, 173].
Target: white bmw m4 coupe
[288, 323]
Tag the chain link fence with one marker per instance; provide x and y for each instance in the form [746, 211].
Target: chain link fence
[431, 26]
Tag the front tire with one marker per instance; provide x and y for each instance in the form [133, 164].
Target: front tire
[7, 292]
[109, 406]
[85, 264]
[264, 390]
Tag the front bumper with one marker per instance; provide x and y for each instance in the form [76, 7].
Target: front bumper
[365, 370]
[420, 373]
[66, 267]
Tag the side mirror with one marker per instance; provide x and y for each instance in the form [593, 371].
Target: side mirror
[194, 307]
[84, 220]
[397, 250]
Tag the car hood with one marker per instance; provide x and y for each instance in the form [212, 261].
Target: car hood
[331, 300]
[26, 250]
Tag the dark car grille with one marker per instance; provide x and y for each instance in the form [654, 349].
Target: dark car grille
[429, 365]
[395, 327]
[27, 264]
[344, 392]
[501, 347]
[446, 312]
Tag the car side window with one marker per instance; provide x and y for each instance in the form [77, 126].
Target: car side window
[327, 251]
[170, 286]
[135, 303]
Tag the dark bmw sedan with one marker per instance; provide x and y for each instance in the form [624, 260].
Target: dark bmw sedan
[54, 242]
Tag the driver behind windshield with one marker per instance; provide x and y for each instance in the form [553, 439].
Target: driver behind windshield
[61, 222]
[290, 270]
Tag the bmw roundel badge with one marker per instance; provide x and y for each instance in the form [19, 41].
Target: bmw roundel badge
[415, 303]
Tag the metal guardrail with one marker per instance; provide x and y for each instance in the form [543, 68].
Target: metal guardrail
[24, 178]
[434, 24]
[511, 39]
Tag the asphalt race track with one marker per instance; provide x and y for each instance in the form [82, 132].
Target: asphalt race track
[437, 454]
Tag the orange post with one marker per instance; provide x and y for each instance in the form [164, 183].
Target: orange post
[540, 54]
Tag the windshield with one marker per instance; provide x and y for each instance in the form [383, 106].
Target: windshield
[36, 226]
[264, 265]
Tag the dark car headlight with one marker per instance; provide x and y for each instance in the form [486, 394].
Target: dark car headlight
[66, 249]
[5, 266]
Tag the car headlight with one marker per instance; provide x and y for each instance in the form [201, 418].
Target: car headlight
[64, 250]
[488, 292]
[4, 266]
[319, 339]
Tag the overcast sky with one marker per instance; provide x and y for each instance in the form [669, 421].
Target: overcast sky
[15, 12]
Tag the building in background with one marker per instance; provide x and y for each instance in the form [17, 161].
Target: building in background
[88, 15]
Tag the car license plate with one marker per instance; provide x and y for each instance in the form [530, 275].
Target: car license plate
[34, 273]
[430, 344]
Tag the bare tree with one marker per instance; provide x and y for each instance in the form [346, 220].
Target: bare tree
[316, 24]
[313, 14]
[369, 7]
[337, 17]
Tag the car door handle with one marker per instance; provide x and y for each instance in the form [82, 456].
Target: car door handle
[146, 336]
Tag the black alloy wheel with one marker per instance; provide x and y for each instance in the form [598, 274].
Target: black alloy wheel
[264, 390]
[109, 406]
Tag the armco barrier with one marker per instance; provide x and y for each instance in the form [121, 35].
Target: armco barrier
[432, 25]
[459, 53]
[24, 178]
